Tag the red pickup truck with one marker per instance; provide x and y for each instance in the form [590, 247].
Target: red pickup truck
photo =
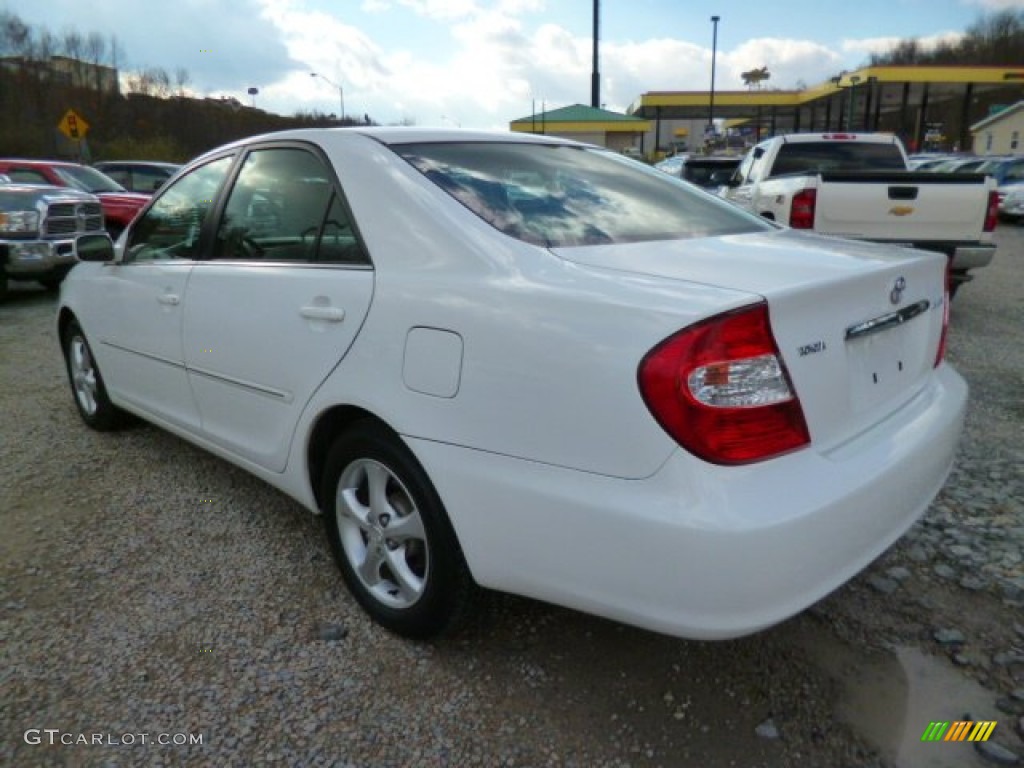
[119, 205]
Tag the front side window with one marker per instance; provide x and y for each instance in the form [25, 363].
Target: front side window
[170, 229]
[284, 208]
[555, 195]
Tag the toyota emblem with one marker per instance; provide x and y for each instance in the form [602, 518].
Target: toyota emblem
[897, 290]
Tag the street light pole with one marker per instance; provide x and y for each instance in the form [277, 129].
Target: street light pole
[595, 76]
[341, 93]
[714, 55]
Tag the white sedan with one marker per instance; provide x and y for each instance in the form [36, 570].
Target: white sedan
[525, 364]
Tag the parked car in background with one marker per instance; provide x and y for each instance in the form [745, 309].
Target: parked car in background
[706, 171]
[710, 171]
[119, 205]
[673, 165]
[145, 176]
[927, 161]
[1011, 202]
[528, 364]
[38, 228]
[1005, 170]
[956, 165]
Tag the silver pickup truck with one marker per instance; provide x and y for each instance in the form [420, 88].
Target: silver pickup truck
[38, 228]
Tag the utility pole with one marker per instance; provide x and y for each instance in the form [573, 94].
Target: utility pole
[714, 54]
[595, 76]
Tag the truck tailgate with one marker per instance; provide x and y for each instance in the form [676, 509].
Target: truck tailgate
[895, 206]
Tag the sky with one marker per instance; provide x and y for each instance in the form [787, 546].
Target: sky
[483, 63]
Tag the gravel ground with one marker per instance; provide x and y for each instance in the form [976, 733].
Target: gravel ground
[149, 588]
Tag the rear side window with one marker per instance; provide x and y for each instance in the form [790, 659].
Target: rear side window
[283, 207]
[824, 156]
[557, 195]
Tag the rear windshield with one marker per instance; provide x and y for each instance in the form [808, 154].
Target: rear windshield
[558, 196]
[824, 156]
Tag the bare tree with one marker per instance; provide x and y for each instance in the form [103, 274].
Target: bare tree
[16, 36]
[181, 80]
[161, 82]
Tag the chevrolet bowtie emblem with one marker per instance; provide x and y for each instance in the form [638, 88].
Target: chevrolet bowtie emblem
[901, 210]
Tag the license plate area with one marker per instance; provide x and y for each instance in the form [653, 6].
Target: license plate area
[886, 360]
[879, 367]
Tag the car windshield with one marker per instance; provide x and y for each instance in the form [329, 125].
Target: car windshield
[87, 179]
[559, 195]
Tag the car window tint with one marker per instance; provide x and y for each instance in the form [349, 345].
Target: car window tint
[556, 195]
[147, 179]
[170, 229]
[26, 176]
[121, 175]
[823, 156]
[276, 208]
[338, 241]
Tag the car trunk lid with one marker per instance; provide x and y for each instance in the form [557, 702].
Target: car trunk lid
[857, 325]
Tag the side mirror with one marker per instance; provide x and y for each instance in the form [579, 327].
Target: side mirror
[98, 247]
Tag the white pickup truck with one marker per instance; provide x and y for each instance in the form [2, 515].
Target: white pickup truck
[857, 186]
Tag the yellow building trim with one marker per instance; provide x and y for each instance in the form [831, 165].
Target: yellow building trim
[988, 75]
[763, 98]
[550, 126]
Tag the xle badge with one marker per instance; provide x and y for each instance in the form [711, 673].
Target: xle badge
[812, 349]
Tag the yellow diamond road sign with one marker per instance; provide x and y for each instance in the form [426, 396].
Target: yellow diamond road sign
[73, 125]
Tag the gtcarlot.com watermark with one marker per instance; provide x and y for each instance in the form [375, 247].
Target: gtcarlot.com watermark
[55, 736]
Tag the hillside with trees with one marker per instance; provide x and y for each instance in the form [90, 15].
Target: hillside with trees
[996, 39]
[145, 115]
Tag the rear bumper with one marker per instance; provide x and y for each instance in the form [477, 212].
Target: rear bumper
[697, 550]
[33, 259]
[972, 257]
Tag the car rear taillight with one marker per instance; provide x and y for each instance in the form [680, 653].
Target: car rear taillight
[720, 390]
[801, 213]
[992, 211]
[940, 354]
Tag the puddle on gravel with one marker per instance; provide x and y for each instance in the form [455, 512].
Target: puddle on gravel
[890, 698]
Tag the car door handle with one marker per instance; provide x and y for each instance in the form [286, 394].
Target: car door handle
[330, 314]
[171, 299]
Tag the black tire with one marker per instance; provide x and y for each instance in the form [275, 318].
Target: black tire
[87, 387]
[398, 553]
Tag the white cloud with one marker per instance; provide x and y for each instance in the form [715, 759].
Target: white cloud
[788, 62]
[445, 10]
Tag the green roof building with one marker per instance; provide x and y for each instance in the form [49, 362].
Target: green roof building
[587, 124]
